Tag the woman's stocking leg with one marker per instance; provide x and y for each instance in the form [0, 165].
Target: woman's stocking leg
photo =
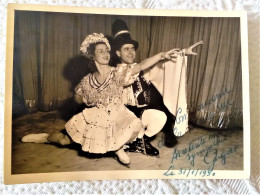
[122, 156]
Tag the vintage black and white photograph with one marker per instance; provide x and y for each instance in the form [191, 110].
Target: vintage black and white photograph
[112, 94]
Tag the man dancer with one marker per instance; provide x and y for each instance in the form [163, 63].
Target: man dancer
[142, 97]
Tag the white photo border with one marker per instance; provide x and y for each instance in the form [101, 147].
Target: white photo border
[10, 178]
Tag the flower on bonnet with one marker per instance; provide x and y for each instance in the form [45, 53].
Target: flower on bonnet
[90, 39]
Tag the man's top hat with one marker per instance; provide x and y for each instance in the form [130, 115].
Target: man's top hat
[121, 35]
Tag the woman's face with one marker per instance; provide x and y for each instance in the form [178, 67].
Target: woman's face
[102, 55]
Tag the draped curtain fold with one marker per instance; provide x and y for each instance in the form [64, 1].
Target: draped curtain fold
[48, 64]
[25, 74]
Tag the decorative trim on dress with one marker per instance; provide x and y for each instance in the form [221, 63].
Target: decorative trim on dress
[96, 85]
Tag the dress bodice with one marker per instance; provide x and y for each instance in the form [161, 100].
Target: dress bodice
[101, 94]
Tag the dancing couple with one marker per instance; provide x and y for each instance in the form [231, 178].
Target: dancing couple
[107, 124]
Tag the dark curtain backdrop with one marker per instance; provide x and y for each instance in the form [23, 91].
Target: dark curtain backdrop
[48, 64]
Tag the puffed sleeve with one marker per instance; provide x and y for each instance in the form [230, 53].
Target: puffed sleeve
[124, 74]
[81, 89]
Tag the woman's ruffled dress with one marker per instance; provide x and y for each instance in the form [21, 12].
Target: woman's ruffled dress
[108, 124]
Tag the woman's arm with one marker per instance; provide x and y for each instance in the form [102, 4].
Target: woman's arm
[149, 62]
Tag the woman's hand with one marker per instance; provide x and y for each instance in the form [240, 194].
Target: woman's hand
[172, 54]
[188, 51]
[78, 99]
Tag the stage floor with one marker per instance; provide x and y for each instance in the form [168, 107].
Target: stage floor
[197, 149]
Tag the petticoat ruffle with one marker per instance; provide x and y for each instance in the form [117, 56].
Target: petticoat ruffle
[99, 130]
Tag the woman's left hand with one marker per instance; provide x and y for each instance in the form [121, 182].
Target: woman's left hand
[188, 51]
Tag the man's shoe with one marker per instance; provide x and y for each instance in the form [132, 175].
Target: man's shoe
[142, 146]
[135, 146]
[149, 149]
[170, 140]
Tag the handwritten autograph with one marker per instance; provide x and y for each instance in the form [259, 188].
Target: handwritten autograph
[215, 98]
[180, 119]
[210, 152]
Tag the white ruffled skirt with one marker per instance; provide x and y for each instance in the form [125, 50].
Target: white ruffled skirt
[100, 130]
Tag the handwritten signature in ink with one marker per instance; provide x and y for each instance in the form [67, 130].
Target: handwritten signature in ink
[210, 152]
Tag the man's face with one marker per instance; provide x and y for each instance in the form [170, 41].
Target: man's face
[127, 54]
